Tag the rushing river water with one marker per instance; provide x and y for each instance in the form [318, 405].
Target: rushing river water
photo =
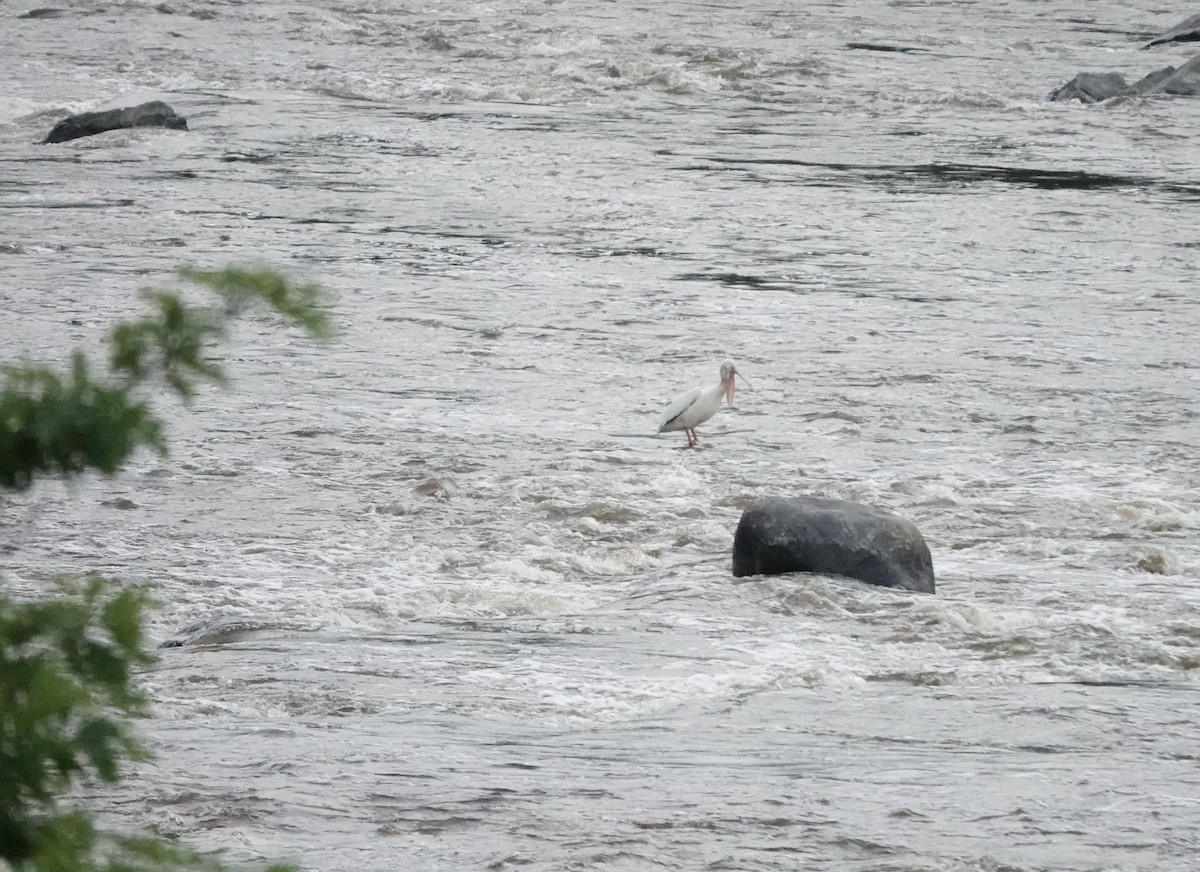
[449, 605]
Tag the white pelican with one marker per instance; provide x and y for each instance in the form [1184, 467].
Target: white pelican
[694, 407]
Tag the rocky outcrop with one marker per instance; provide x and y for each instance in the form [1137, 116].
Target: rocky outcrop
[832, 537]
[1185, 31]
[153, 114]
[1181, 81]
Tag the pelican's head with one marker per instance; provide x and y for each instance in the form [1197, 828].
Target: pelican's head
[728, 371]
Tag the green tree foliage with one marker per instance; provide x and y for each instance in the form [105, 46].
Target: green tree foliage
[67, 660]
[65, 425]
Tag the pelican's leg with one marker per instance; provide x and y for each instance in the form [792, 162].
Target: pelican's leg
[691, 435]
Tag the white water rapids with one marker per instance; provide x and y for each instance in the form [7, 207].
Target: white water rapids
[449, 605]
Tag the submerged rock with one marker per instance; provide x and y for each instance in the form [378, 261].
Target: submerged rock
[834, 537]
[1181, 81]
[441, 489]
[220, 631]
[153, 114]
[1184, 31]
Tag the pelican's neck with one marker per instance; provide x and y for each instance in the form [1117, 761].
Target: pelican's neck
[725, 386]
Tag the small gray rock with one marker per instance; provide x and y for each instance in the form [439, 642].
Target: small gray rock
[1092, 88]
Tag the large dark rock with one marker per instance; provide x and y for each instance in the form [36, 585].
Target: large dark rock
[153, 114]
[833, 537]
[1181, 81]
[1184, 31]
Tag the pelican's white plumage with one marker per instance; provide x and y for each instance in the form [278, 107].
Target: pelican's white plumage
[693, 407]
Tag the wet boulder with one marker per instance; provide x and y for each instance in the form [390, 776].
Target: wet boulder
[152, 114]
[1092, 88]
[831, 537]
[1184, 31]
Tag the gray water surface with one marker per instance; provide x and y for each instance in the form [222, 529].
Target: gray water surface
[447, 602]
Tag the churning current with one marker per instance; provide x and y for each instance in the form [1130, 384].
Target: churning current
[446, 601]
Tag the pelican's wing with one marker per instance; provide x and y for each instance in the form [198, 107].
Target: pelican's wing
[678, 406]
